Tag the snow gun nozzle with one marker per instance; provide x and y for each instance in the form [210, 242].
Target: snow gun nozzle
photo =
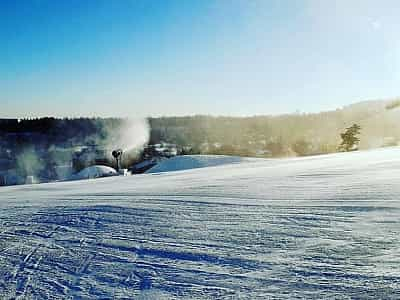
[117, 155]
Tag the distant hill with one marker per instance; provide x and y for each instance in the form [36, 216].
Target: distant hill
[264, 136]
[313, 133]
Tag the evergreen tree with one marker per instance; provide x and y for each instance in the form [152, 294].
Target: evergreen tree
[349, 138]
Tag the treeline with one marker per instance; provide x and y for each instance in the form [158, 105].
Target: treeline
[57, 131]
[284, 135]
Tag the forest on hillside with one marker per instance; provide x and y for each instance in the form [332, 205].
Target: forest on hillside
[265, 136]
[283, 135]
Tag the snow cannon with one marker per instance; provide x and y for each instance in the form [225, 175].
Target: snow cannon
[117, 154]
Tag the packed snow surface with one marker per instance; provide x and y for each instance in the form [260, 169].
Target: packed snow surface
[325, 227]
[96, 171]
[186, 162]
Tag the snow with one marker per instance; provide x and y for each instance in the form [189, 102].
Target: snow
[145, 164]
[187, 162]
[304, 228]
[95, 171]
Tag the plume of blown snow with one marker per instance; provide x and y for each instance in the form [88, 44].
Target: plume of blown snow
[131, 135]
[29, 163]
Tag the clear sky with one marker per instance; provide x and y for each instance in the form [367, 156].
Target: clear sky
[141, 58]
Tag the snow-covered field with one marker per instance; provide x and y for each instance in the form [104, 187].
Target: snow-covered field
[324, 227]
[187, 162]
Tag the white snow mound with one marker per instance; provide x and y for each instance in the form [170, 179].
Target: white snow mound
[186, 162]
[96, 171]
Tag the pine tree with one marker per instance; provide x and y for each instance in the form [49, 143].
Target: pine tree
[349, 138]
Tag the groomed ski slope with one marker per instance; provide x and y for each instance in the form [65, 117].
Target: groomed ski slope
[325, 227]
[187, 162]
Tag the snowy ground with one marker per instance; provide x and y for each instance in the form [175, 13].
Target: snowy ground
[186, 162]
[306, 228]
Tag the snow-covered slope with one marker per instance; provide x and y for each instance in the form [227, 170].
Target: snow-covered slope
[96, 171]
[305, 228]
[187, 162]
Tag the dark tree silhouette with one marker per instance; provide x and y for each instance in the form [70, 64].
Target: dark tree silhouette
[349, 138]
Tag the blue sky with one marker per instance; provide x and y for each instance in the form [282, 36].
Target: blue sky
[150, 58]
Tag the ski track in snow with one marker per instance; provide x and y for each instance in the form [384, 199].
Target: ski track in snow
[323, 227]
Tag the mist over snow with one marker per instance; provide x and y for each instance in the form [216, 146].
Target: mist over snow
[29, 163]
